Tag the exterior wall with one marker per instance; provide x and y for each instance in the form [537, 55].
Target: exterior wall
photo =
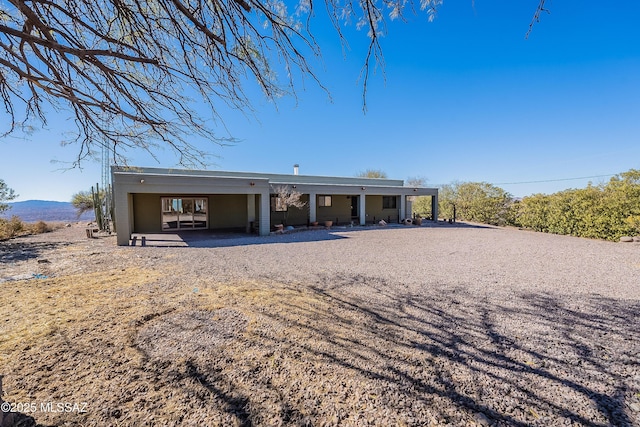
[295, 216]
[228, 211]
[147, 213]
[375, 211]
[340, 209]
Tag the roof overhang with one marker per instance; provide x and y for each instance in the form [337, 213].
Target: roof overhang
[174, 181]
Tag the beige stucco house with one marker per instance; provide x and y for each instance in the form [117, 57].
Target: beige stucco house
[152, 200]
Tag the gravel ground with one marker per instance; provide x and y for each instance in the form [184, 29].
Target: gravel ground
[435, 325]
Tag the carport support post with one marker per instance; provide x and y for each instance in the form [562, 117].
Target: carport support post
[434, 207]
[265, 213]
[362, 209]
[403, 201]
[123, 204]
[312, 207]
[251, 211]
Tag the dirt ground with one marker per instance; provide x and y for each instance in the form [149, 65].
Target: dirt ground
[93, 334]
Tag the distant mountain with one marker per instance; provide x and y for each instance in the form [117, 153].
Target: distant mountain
[45, 210]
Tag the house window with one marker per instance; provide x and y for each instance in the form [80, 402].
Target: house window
[324, 201]
[184, 213]
[389, 202]
[278, 204]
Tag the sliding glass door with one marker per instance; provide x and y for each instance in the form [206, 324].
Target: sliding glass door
[184, 213]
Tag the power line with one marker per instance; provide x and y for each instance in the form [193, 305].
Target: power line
[555, 180]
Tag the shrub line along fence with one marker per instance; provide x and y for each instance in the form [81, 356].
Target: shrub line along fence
[607, 211]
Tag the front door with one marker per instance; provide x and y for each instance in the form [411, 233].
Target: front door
[354, 207]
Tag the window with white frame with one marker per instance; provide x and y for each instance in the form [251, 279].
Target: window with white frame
[324, 201]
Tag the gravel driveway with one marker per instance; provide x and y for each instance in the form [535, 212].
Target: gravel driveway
[437, 325]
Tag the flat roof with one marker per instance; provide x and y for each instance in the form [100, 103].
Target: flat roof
[273, 178]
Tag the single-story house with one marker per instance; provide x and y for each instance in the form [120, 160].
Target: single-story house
[153, 200]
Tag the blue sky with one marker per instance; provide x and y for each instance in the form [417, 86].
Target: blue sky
[465, 97]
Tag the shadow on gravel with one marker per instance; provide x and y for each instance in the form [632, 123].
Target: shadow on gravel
[459, 224]
[221, 240]
[535, 361]
[18, 419]
[15, 250]
[538, 362]
[357, 351]
[217, 239]
[325, 355]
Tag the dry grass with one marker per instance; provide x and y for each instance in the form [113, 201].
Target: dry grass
[69, 338]
[39, 308]
[129, 348]
[14, 227]
[173, 346]
[254, 353]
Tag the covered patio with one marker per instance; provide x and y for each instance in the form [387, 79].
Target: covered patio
[149, 200]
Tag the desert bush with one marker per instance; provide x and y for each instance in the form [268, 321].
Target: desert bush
[607, 211]
[10, 227]
[39, 227]
[14, 227]
[475, 201]
[422, 206]
[634, 222]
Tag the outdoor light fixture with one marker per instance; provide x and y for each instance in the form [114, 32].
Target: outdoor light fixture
[363, 188]
[142, 181]
[295, 186]
[252, 183]
[415, 189]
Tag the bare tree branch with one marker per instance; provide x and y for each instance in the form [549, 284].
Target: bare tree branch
[536, 17]
[155, 73]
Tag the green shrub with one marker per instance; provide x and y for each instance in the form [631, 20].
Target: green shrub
[607, 211]
[475, 201]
